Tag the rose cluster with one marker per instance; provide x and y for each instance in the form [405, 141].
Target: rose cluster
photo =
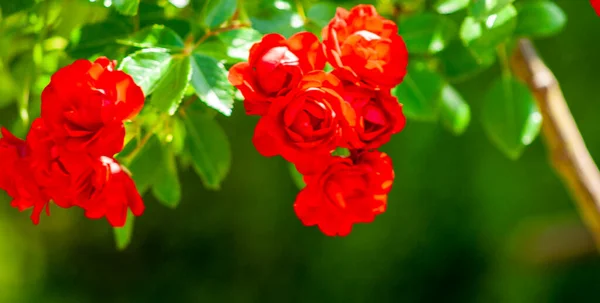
[67, 156]
[306, 113]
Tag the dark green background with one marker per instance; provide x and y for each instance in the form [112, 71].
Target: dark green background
[464, 223]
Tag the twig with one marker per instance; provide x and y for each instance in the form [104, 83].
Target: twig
[568, 152]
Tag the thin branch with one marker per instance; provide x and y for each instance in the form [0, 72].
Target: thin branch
[566, 147]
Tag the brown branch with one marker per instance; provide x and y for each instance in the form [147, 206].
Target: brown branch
[568, 152]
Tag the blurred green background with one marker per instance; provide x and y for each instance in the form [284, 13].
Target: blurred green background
[464, 223]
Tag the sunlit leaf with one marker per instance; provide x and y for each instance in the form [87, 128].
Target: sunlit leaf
[510, 116]
[169, 91]
[450, 6]
[427, 32]
[455, 113]
[147, 67]
[209, 79]
[155, 36]
[539, 19]
[216, 12]
[126, 7]
[420, 92]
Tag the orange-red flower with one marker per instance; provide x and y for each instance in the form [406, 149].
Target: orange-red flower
[347, 191]
[596, 6]
[367, 46]
[310, 120]
[275, 66]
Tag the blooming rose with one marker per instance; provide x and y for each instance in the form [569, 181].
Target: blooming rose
[378, 114]
[106, 190]
[310, 120]
[366, 46]
[596, 6]
[85, 104]
[347, 191]
[275, 65]
[16, 177]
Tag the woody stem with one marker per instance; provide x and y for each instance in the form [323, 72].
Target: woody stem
[566, 148]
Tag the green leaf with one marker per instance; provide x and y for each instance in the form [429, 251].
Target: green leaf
[231, 46]
[177, 135]
[157, 36]
[168, 189]
[510, 116]
[147, 67]
[450, 6]
[216, 12]
[539, 19]
[482, 9]
[321, 13]
[123, 234]
[96, 38]
[455, 112]
[276, 17]
[297, 177]
[9, 7]
[126, 7]
[209, 79]
[427, 32]
[487, 34]
[459, 62]
[239, 42]
[170, 89]
[209, 149]
[420, 92]
[143, 166]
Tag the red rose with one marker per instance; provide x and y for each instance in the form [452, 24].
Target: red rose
[367, 46]
[16, 177]
[378, 114]
[348, 191]
[85, 104]
[310, 120]
[275, 65]
[596, 6]
[106, 190]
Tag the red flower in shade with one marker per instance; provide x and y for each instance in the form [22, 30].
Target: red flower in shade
[16, 176]
[366, 46]
[348, 191]
[378, 114]
[310, 120]
[85, 104]
[106, 190]
[596, 6]
[274, 67]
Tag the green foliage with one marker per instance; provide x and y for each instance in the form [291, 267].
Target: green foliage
[510, 116]
[427, 32]
[455, 113]
[420, 92]
[539, 18]
[123, 234]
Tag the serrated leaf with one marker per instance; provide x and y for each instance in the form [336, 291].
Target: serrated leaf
[420, 92]
[455, 112]
[123, 234]
[297, 177]
[487, 34]
[168, 190]
[209, 149]
[539, 19]
[450, 6]
[209, 79]
[155, 36]
[126, 7]
[216, 12]
[482, 9]
[170, 89]
[510, 116]
[147, 67]
[427, 32]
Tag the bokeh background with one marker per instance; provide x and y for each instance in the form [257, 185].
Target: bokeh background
[464, 223]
